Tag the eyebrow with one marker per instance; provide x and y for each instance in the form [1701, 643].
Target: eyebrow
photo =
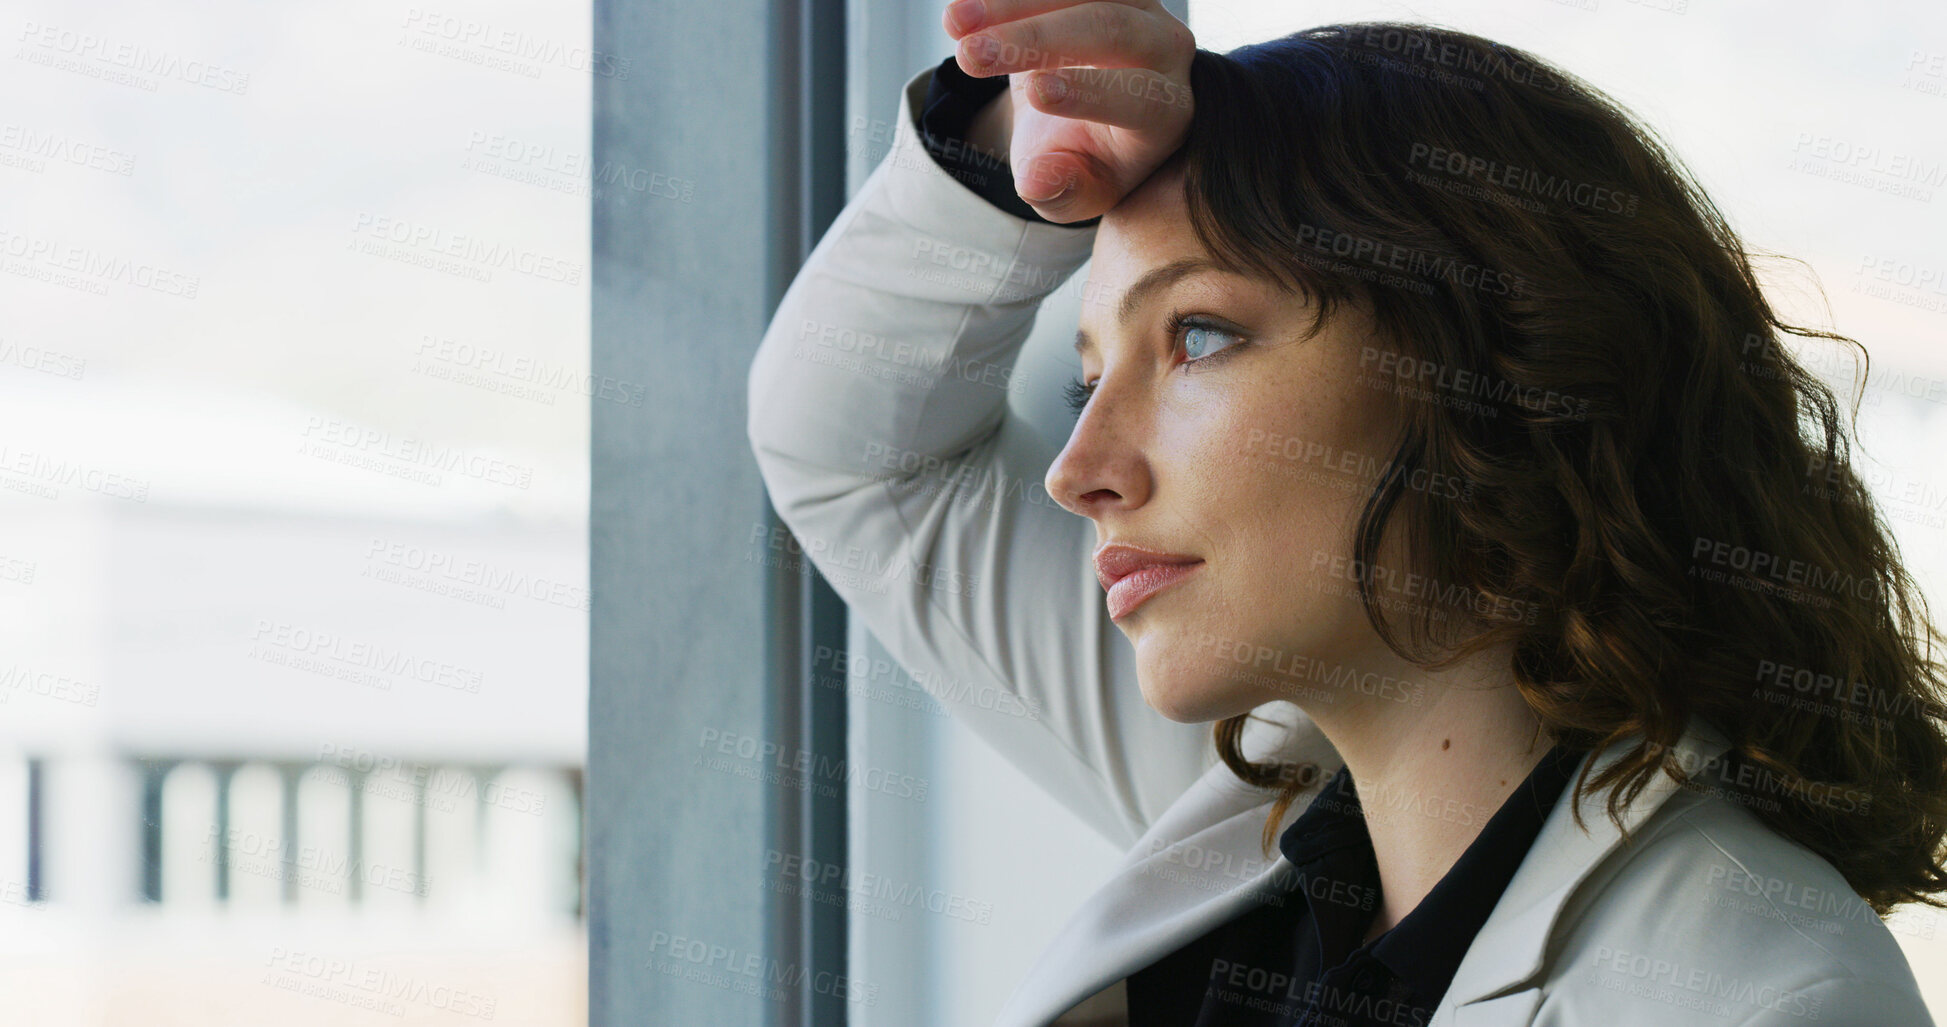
[1155, 280]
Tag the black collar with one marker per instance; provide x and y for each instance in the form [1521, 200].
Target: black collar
[1330, 841]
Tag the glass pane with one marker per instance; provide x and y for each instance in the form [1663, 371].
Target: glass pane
[294, 404]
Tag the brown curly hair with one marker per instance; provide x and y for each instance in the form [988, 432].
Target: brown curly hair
[1652, 475]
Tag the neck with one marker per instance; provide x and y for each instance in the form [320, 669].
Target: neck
[1429, 776]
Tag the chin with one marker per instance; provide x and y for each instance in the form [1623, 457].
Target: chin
[1189, 702]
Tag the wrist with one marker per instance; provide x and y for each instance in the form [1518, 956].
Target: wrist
[992, 129]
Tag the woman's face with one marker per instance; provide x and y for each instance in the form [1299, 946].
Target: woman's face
[1254, 458]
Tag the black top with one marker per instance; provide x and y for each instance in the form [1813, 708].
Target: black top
[1299, 960]
[952, 100]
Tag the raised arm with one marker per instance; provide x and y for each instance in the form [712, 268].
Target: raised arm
[879, 420]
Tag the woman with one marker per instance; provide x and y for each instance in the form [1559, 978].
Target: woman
[1433, 434]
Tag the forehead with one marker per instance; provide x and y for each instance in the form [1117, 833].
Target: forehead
[1143, 245]
[1150, 225]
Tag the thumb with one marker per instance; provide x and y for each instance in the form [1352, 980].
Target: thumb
[1047, 177]
[1058, 187]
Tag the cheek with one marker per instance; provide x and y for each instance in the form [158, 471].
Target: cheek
[1281, 471]
[1272, 480]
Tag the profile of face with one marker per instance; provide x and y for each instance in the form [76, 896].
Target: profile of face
[1240, 442]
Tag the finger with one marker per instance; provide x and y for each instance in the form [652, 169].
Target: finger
[964, 16]
[1123, 97]
[1102, 34]
[1045, 177]
[1064, 186]
[1078, 206]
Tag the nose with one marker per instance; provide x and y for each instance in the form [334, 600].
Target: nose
[1101, 468]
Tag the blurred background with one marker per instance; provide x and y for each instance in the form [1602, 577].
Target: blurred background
[294, 405]
[295, 402]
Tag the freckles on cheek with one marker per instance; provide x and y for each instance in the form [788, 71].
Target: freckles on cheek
[1235, 504]
[1299, 465]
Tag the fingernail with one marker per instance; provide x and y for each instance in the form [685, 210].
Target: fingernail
[1052, 88]
[1066, 188]
[1037, 177]
[966, 15]
[984, 50]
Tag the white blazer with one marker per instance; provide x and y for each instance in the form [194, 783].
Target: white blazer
[879, 421]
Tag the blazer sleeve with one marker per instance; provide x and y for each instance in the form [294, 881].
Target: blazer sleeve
[1848, 1000]
[879, 422]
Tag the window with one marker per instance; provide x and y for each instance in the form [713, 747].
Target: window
[294, 394]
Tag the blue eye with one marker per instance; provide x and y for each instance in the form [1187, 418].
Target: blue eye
[1180, 325]
[1194, 331]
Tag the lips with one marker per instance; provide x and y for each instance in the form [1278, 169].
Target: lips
[1131, 574]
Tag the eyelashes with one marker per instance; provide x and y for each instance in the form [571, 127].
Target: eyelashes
[1077, 394]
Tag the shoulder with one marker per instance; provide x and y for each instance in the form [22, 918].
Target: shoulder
[1709, 910]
